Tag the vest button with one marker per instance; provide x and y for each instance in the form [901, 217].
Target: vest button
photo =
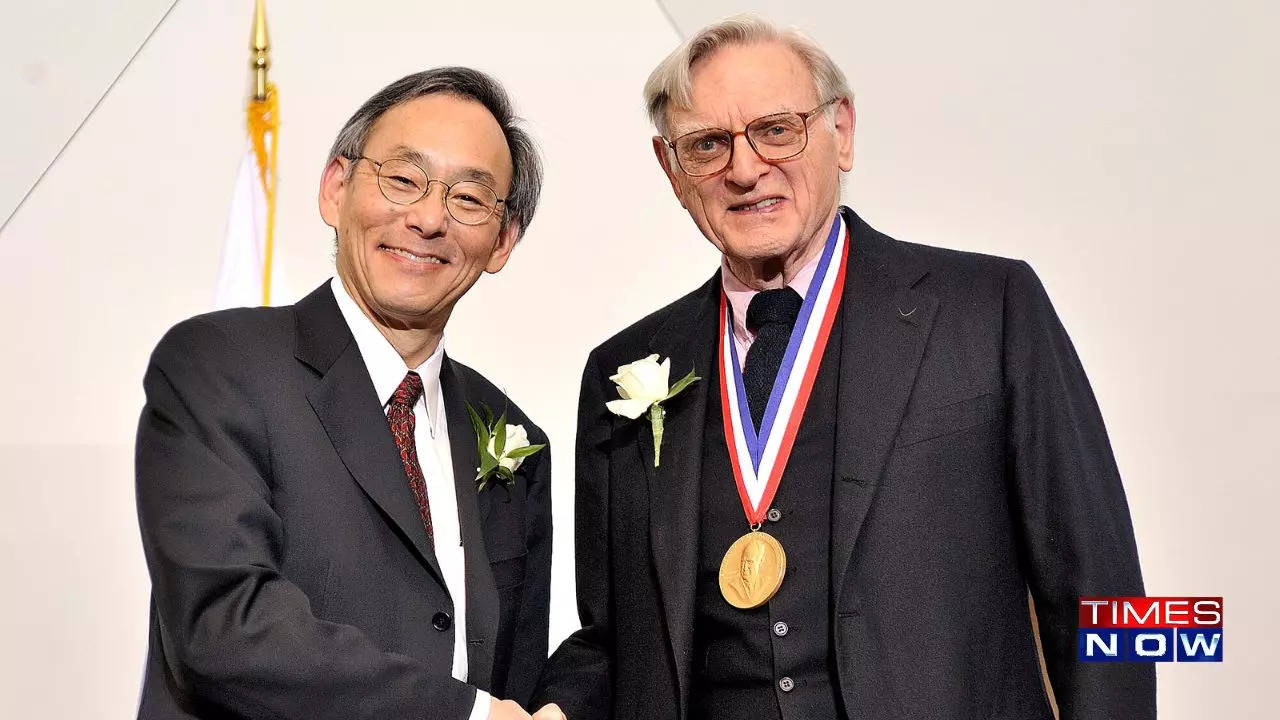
[780, 629]
[441, 621]
[774, 514]
[786, 684]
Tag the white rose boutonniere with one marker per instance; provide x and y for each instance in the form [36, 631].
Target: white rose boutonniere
[642, 387]
[502, 447]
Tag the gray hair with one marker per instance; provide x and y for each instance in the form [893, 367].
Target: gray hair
[671, 84]
[526, 167]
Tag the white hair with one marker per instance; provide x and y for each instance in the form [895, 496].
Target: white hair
[671, 84]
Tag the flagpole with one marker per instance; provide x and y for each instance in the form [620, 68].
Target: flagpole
[264, 120]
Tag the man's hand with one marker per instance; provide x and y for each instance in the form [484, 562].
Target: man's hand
[509, 710]
[506, 710]
[550, 711]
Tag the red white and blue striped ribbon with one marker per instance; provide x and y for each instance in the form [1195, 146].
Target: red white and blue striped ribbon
[759, 459]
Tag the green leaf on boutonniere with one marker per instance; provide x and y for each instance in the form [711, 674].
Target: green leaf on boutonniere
[500, 435]
[487, 463]
[525, 451]
[481, 429]
[681, 384]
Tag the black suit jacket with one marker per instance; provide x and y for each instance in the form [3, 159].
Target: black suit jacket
[291, 573]
[971, 465]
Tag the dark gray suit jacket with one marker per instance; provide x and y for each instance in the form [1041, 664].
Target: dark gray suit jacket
[291, 573]
[971, 465]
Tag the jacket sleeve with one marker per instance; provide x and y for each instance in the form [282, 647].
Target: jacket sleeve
[237, 636]
[578, 677]
[1069, 503]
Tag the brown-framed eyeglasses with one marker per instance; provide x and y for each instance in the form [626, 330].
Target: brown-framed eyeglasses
[403, 182]
[774, 138]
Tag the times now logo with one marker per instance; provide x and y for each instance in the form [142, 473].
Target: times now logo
[1150, 629]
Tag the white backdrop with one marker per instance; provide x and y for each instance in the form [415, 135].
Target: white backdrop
[1126, 149]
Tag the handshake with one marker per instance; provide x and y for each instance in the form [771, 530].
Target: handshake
[510, 710]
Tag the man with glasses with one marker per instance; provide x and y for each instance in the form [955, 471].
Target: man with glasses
[318, 543]
[906, 430]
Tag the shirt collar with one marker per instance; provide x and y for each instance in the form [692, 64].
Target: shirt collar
[386, 368]
[740, 294]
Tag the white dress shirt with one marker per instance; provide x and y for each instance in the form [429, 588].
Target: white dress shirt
[431, 437]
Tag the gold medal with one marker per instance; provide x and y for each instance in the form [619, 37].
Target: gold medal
[752, 570]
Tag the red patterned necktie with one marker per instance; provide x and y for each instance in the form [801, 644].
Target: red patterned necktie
[400, 418]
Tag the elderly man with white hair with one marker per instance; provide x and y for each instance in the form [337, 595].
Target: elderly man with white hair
[905, 431]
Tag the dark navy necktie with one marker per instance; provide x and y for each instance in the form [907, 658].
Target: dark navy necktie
[771, 316]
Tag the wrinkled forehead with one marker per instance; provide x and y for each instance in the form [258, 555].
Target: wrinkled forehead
[739, 83]
[452, 138]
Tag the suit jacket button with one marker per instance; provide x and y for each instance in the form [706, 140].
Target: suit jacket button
[774, 515]
[441, 621]
[786, 684]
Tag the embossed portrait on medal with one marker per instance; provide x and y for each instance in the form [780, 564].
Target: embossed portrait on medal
[752, 570]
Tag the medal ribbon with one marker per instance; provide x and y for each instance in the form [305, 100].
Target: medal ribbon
[759, 460]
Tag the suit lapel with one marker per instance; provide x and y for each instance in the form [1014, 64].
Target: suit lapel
[347, 405]
[482, 593]
[886, 325]
[689, 339]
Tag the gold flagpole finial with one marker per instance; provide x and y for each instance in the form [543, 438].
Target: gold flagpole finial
[260, 46]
